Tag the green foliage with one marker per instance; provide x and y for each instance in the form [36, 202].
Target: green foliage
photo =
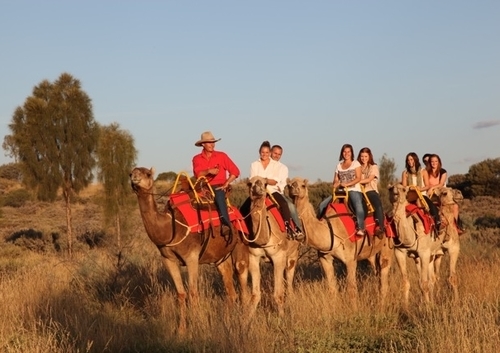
[488, 221]
[462, 183]
[387, 169]
[33, 240]
[56, 136]
[239, 193]
[484, 178]
[11, 171]
[319, 191]
[167, 176]
[116, 157]
[16, 198]
[94, 239]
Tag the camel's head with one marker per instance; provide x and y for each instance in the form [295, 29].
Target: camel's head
[297, 188]
[142, 178]
[446, 195]
[398, 193]
[257, 187]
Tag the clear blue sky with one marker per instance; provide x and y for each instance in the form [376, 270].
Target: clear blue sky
[395, 76]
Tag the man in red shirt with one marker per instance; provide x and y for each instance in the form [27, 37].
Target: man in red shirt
[219, 170]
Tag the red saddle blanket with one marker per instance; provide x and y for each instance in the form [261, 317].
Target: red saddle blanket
[200, 220]
[347, 219]
[273, 208]
[426, 219]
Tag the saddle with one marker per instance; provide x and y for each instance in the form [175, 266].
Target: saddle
[196, 203]
[343, 210]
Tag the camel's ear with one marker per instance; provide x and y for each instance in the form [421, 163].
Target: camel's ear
[288, 181]
[306, 182]
[152, 170]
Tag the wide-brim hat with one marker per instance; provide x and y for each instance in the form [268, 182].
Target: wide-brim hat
[207, 136]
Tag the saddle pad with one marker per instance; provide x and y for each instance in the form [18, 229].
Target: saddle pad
[200, 220]
[273, 208]
[424, 217]
[346, 217]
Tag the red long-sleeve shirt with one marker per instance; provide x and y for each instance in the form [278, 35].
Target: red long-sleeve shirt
[217, 159]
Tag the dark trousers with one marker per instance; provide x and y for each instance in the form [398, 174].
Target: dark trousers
[220, 202]
[433, 211]
[376, 202]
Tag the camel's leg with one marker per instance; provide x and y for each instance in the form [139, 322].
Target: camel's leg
[240, 258]
[174, 271]
[384, 264]
[279, 265]
[401, 261]
[454, 251]
[254, 269]
[326, 261]
[352, 286]
[423, 266]
[226, 270]
[192, 267]
[291, 265]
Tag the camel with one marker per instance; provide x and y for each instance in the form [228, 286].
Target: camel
[448, 197]
[180, 245]
[331, 239]
[427, 249]
[270, 241]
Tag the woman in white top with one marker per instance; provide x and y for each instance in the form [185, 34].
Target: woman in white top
[348, 176]
[270, 169]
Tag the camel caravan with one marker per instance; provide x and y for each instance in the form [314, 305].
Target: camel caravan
[199, 225]
[187, 233]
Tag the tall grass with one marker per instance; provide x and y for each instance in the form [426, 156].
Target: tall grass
[105, 301]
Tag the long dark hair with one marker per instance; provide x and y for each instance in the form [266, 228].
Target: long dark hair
[345, 146]
[415, 159]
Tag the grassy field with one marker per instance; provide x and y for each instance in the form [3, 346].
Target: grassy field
[110, 299]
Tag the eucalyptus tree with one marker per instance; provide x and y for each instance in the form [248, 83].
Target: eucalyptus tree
[387, 169]
[55, 136]
[116, 156]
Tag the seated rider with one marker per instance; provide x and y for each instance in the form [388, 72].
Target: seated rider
[219, 170]
[269, 169]
[415, 176]
[437, 178]
[348, 176]
[369, 179]
[276, 153]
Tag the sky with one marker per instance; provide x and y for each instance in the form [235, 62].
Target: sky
[394, 76]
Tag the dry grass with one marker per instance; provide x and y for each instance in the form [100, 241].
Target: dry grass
[122, 300]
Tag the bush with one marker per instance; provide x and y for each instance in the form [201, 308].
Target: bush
[32, 240]
[16, 198]
[92, 238]
[11, 171]
[487, 221]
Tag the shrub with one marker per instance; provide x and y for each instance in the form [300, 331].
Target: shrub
[11, 171]
[16, 198]
[32, 240]
[92, 238]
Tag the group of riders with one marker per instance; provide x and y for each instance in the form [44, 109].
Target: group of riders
[355, 178]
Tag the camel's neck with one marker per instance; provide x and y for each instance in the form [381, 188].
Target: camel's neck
[258, 215]
[405, 227]
[158, 225]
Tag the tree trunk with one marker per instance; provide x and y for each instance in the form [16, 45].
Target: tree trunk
[118, 231]
[69, 232]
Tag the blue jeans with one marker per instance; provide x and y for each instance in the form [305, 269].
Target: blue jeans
[220, 202]
[374, 198]
[322, 206]
[293, 213]
[356, 202]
